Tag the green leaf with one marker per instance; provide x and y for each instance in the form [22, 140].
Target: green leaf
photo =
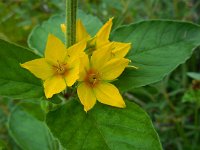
[158, 47]
[103, 128]
[194, 75]
[38, 37]
[27, 128]
[15, 81]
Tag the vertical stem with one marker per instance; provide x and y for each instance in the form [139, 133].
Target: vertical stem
[181, 132]
[196, 120]
[71, 8]
[166, 95]
[196, 117]
[184, 75]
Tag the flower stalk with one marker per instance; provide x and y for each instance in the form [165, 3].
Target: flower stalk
[71, 9]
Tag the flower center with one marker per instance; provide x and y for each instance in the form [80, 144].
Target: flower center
[92, 78]
[60, 68]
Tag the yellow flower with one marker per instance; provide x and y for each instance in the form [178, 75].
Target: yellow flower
[95, 75]
[100, 40]
[81, 33]
[60, 66]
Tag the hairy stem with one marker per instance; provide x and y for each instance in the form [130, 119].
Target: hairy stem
[71, 8]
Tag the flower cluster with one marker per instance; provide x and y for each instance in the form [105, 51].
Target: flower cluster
[93, 61]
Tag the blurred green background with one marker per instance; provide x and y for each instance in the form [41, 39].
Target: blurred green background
[173, 104]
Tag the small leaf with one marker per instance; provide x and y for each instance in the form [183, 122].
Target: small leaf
[27, 128]
[103, 127]
[38, 37]
[15, 81]
[158, 47]
[194, 75]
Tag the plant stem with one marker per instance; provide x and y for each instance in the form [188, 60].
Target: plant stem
[196, 117]
[71, 8]
[184, 75]
[181, 132]
[166, 95]
[196, 120]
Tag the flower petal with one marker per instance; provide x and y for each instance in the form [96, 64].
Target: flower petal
[75, 51]
[73, 74]
[86, 96]
[39, 67]
[113, 68]
[54, 85]
[63, 28]
[103, 33]
[120, 49]
[55, 50]
[81, 33]
[107, 93]
[101, 56]
[84, 66]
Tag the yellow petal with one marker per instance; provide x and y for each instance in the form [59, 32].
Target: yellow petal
[113, 68]
[54, 85]
[73, 74]
[101, 56]
[39, 67]
[103, 33]
[84, 66]
[86, 96]
[107, 93]
[75, 51]
[55, 50]
[81, 33]
[63, 28]
[120, 49]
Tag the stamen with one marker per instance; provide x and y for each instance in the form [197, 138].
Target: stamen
[60, 69]
[92, 78]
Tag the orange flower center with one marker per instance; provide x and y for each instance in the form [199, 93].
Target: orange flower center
[60, 68]
[92, 78]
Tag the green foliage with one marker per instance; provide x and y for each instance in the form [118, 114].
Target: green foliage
[158, 47]
[194, 75]
[2, 120]
[17, 24]
[148, 47]
[177, 123]
[192, 96]
[15, 81]
[126, 11]
[26, 126]
[37, 38]
[2, 145]
[153, 40]
[103, 127]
